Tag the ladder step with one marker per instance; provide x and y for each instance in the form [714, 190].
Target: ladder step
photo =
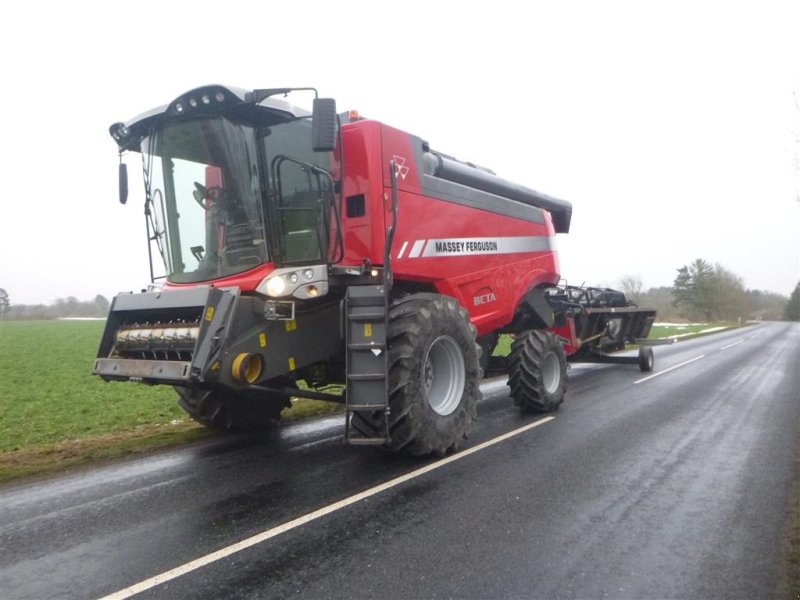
[357, 441]
[366, 295]
[366, 376]
[366, 407]
[366, 346]
[367, 316]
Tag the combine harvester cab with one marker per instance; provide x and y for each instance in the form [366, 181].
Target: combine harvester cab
[310, 254]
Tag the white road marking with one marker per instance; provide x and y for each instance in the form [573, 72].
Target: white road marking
[736, 343]
[312, 516]
[683, 364]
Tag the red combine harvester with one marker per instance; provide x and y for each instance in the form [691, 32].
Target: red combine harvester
[338, 251]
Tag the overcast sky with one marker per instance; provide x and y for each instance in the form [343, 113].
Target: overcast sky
[670, 126]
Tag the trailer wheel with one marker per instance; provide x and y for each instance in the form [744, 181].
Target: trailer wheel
[434, 376]
[646, 359]
[228, 411]
[538, 371]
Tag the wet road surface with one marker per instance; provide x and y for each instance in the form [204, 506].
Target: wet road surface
[674, 486]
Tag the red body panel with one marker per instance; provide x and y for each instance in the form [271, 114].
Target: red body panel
[476, 263]
[485, 259]
[363, 235]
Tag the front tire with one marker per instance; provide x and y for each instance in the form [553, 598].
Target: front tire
[229, 411]
[538, 371]
[434, 374]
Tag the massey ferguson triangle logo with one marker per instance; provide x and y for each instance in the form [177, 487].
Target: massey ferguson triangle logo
[400, 168]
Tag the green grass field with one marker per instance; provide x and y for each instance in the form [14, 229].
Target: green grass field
[54, 413]
[48, 395]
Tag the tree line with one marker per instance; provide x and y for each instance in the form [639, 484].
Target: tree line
[705, 292]
[61, 308]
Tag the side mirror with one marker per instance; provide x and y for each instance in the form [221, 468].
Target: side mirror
[123, 183]
[323, 125]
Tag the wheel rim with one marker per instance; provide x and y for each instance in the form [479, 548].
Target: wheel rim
[551, 373]
[444, 375]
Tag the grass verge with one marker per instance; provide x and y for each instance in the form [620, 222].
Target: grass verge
[664, 331]
[41, 459]
[792, 561]
[46, 458]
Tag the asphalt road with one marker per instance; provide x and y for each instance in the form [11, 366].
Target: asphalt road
[674, 486]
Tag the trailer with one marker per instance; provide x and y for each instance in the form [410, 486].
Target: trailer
[602, 321]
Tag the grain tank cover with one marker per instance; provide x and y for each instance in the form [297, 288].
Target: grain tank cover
[445, 167]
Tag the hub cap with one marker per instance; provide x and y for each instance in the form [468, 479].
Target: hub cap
[444, 375]
[551, 373]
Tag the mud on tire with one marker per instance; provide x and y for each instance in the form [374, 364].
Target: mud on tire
[434, 374]
[226, 410]
[537, 371]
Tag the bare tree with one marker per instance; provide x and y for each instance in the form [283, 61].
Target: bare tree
[730, 297]
[631, 285]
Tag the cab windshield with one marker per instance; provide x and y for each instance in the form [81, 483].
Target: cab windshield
[225, 197]
[202, 184]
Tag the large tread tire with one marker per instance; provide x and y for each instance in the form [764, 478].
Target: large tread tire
[538, 371]
[229, 411]
[425, 328]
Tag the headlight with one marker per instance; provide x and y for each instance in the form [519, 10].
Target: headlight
[303, 283]
[276, 286]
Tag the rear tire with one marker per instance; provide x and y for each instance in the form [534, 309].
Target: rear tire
[229, 411]
[538, 371]
[646, 359]
[434, 374]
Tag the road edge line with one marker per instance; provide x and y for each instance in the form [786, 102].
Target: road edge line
[736, 343]
[683, 364]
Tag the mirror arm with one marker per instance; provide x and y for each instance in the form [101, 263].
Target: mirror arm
[123, 181]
